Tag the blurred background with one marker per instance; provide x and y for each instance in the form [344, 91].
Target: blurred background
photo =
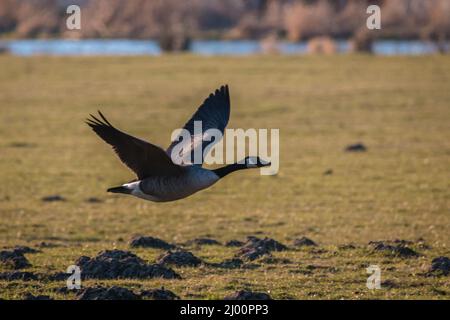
[224, 27]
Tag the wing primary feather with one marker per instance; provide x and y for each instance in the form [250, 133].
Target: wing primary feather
[103, 117]
[96, 119]
[144, 158]
[214, 113]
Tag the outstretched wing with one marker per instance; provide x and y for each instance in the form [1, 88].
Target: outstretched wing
[214, 113]
[144, 158]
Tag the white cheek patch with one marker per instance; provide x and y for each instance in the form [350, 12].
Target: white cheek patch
[252, 162]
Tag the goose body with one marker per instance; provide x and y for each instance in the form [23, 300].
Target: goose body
[160, 179]
[170, 188]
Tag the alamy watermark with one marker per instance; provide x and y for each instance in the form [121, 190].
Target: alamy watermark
[73, 22]
[190, 149]
[374, 280]
[74, 280]
[374, 20]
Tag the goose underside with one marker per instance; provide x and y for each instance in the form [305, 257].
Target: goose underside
[162, 189]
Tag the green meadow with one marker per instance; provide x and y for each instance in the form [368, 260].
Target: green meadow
[398, 107]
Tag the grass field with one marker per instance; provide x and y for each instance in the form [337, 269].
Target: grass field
[399, 107]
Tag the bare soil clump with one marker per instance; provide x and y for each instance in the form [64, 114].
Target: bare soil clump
[159, 294]
[150, 242]
[304, 242]
[256, 247]
[440, 266]
[102, 293]
[395, 248]
[202, 242]
[234, 243]
[29, 296]
[179, 258]
[248, 295]
[357, 147]
[113, 264]
[18, 275]
[14, 259]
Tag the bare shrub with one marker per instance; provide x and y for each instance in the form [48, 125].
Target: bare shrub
[175, 22]
[269, 45]
[8, 20]
[362, 41]
[322, 45]
[438, 28]
[308, 20]
[29, 18]
[351, 18]
[259, 19]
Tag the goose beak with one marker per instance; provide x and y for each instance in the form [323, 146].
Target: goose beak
[120, 189]
[266, 163]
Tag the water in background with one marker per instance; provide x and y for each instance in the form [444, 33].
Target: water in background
[113, 47]
[81, 47]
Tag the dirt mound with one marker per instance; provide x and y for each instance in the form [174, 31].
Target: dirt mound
[64, 290]
[252, 253]
[389, 284]
[20, 144]
[179, 258]
[234, 243]
[422, 244]
[113, 264]
[273, 260]
[229, 264]
[397, 249]
[159, 294]
[150, 242]
[53, 198]
[24, 249]
[93, 200]
[419, 243]
[304, 242]
[248, 295]
[202, 242]
[58, 276]
[348, 246]
[268, 243]
[29, 296]
[440, 266]
[256, 247]
[18, 275]
[357, 147]
[102, 293]
[14, 259]
[44, 244]
[399, 242]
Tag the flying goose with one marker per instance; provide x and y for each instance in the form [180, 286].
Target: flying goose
[159, 179]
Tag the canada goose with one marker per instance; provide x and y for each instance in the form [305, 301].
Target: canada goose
[159, 179]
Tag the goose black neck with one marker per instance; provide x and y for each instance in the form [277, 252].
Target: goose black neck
[222, 172]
